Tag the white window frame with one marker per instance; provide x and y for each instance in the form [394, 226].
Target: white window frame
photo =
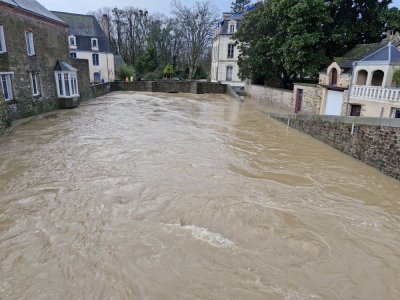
[98, 59]
[97, 43]
[73, 38]
[30, 44]
[66, 82]
[231, 50]
[232, 28]
[35, 84]
[229, 79]
[3, 48]
[72, 54]
[7, 77]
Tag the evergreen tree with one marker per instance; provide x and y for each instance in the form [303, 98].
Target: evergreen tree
[283, 40]
[239, 5]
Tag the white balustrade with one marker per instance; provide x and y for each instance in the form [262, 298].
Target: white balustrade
[376, 93]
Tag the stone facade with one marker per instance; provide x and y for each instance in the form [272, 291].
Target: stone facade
[374, 141]
[312, 94]
[4, 117]
[276, 97]
[50, 42]
[50, 45]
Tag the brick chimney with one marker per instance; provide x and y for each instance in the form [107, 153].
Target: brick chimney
[106, 25]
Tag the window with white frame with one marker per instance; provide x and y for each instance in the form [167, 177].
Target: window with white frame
[232, 28]
[229, 73]
[95, 43]
[30, 46]
[2, 40]
[95, 59]
[72, 40]
[72, 54]
[35, 84]
[6, 85]
[231, 50]
[67, 84]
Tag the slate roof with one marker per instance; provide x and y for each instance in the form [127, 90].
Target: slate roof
[236, 17]
[63, 66]
[33, 7]
[357, 53]
[84, 28]
[389, 53]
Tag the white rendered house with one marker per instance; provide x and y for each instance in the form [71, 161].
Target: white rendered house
[88, 41]
[224, 66]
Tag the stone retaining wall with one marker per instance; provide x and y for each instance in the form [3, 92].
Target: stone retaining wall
[4, 118]
[276, 97]
[374, 141]
[192, 87]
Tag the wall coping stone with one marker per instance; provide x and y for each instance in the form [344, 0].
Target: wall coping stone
[383, 122]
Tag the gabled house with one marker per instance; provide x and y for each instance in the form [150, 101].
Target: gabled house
[32, 43]
[357, 84]
[86, 40]
[225, 54]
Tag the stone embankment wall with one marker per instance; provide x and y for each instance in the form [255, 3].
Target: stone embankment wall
[4, 118]
[374, 141]
[192, 87]
[276, 97]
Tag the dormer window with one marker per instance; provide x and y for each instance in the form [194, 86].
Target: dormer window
[334, 77]
[95, 43]
[72, 40]
[2, 41]
[30, 46]
[232, 28]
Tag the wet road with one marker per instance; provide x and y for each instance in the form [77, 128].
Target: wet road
[152, 196]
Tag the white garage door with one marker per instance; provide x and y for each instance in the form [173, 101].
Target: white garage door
[334, 103]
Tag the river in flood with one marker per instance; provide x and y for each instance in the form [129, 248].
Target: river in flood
[157, 196]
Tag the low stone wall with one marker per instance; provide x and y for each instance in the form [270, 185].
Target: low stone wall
[101, 89]
[4, 117]
[165, 86]
[273, 96]
[374, 141]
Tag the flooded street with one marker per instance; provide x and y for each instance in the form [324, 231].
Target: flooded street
[157, 196]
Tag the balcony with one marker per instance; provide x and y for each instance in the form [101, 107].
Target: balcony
[376, 94]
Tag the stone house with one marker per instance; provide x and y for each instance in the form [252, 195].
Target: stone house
[225, 54]
[88, 41]
[356, 84]
[32, 44]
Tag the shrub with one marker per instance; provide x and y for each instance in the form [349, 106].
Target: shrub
[396, 78]
[125, 71]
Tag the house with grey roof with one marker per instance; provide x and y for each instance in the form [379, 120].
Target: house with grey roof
[33, 41]
[360, 83]
[87, 40]
[225, 54]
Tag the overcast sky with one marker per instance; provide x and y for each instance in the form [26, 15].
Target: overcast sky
[84, 6]
[163, 6]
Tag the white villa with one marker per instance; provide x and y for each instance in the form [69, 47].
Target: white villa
[224, 66]
[358, 84]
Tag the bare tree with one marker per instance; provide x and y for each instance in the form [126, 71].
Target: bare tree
[196, 26]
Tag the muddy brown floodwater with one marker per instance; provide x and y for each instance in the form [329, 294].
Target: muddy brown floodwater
[157, 196]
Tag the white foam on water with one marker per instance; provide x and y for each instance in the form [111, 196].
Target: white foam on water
[203, 234]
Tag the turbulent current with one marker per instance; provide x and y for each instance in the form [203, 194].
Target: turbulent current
[157, 196]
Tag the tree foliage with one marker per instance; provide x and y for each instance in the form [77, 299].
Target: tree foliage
[195, 25]
[239, 5]
[293, 39]
[139, 37]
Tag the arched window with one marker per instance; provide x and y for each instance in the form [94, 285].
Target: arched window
[362, 76]
[377, 78]
[334, 75]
